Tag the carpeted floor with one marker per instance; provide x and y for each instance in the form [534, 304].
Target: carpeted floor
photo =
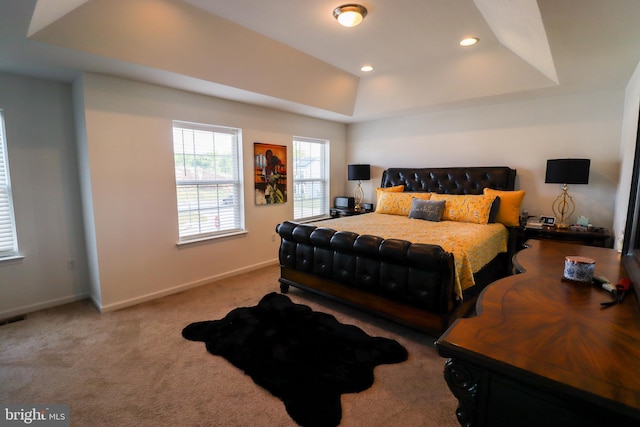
[133, 367]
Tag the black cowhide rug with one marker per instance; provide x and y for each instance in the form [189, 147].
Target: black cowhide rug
[305, 358]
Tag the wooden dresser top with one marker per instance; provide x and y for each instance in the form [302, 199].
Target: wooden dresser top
[539, 325]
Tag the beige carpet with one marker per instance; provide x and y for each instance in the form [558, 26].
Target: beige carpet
[133, 368]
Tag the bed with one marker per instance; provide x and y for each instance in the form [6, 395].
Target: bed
[438, 237]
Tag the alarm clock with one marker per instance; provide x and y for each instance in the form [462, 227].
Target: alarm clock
[548, 221]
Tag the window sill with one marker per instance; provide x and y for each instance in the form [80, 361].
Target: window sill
[308, 220]
[11, 260]
[202, 240]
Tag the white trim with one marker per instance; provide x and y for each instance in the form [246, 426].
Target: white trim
[206, 239]
[181, 288]
[320, 218]
[26, 309]
[11, 259]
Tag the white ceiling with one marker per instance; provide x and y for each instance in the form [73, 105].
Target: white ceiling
[292, 54]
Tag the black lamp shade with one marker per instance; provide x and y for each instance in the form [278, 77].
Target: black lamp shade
[567, 171]
[359, 172]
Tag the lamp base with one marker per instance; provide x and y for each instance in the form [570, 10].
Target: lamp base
[563, 207]
[358, 196]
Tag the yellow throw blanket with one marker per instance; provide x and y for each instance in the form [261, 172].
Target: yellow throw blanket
[472, 245]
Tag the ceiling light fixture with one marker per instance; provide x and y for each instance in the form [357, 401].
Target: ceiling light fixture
[366, 68]
[350, 15]
[469, 41]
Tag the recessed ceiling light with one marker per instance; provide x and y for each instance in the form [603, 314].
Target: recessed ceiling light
[469, 41]
[350, 15]
[366, 68]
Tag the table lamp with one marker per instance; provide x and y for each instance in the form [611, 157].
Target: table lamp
[565, 172]
[359, 173]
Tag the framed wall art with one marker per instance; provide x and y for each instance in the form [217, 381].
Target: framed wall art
[270, 173]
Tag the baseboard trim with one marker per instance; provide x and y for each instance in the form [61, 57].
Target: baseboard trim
[26, 309]
[180, 288]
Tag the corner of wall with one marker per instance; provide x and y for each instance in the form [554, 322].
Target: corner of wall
[84, 173]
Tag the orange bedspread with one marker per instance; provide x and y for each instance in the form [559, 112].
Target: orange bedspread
[472, 245]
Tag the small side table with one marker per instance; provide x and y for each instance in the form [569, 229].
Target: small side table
[600, 238]
[340, 212]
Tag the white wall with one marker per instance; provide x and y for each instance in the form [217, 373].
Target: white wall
[522, 135]
[86, 197]
[128, 187]
[627, 153]
[132, 185]
[44, 176]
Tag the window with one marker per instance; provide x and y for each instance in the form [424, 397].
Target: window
[8, 240]
[209, 188]
[310, 178]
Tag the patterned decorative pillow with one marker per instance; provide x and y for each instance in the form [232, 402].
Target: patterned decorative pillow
[431, 210]
[397, 203]
[510, 201]
[465, 208]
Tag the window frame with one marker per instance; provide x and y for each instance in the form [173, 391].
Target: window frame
[235, 182]
[9, 250]
[324, 180]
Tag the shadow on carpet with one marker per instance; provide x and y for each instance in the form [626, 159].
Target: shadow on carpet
[305, 358]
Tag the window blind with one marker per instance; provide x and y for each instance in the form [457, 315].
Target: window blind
[8, 240]
[310, 178]
[208, 183]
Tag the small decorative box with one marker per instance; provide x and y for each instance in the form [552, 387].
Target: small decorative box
[579, 268]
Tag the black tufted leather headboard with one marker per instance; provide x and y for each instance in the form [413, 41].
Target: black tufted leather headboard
[456, 180]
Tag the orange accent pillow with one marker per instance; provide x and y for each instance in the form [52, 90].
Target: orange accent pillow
[394, 189]
[510, 202]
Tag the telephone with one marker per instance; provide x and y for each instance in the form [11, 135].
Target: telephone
[533, 222]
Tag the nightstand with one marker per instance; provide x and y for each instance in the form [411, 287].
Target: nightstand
[599, 237]
[340, 212]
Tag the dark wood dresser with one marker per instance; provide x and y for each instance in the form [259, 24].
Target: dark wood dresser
[601, 237]
[542, 351]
